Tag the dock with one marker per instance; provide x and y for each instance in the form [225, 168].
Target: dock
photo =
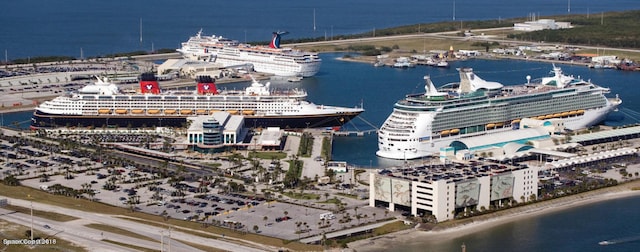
[354, 132]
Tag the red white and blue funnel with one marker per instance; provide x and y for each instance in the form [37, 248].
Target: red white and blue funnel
[275, 40]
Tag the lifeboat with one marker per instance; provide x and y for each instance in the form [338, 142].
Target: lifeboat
[186, 111]
[557, 115]
[169, 111]
[540, 117]
[491, 125]
[137, 111]
[499, 124]
[201, 112]
[248, 112]
[213, 111]
[515, 121]
[233, 112]
[104, 111]
[574, 112]
[580, 112]
[454, 131]
[153, 111]
[548, 116]
[565, 114]
[444, 132]
[121, 111]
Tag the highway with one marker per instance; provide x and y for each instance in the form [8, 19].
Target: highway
[76, 232]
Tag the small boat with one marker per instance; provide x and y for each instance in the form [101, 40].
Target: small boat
[121, 111]
[169, 111]
[153, 111]
[515, 121]
[233, 112]
[213, 111]
[604, 243]
[248, 112]
[186, 111]
[445, 132]
[201, 112]
[104, 111]
[442, 63]
[491, 125]
[378, 64]
[137, 111]
[294, 79]
[454, 131]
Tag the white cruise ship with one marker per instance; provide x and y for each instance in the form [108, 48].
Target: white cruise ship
[286, 62]
[421, 124]
[103, 105]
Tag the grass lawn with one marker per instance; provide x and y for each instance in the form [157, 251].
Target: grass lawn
[9, 230]
[119, 231]
[44, 214]
[126, 245]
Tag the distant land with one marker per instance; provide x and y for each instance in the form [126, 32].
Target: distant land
[619, 30]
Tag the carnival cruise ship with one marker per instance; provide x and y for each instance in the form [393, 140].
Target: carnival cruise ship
[102, 104]
[273, 59]
[421, 124]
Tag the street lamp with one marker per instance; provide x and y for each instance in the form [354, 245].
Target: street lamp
[31, 201]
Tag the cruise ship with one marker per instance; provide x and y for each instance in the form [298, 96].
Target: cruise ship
[421, 124]
[273, 59]
[103, 104]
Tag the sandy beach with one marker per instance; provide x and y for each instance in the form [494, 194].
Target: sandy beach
[479, 223]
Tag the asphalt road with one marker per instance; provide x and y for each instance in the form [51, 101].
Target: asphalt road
[77, 232]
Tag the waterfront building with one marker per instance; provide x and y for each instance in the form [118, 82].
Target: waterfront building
[213, 133]
[446, 191]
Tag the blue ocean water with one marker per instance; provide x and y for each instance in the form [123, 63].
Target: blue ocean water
[30, 28]
[576, 229]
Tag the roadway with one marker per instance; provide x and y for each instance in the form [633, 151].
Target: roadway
[76, 232]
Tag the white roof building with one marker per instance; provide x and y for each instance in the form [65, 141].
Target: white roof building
[541, 24]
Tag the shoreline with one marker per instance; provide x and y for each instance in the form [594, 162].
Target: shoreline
[482, 222]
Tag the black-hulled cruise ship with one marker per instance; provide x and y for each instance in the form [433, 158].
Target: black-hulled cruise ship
[102, 104]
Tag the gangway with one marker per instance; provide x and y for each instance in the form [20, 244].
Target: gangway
[356, 132]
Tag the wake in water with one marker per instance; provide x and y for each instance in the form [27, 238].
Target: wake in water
[620, 240]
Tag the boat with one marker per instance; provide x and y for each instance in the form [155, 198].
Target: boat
[103, 103]
[403, 62]
[201, 112]
[137, 111]
[476, 107]
[604, 243]
[442, 63]
[273, 59]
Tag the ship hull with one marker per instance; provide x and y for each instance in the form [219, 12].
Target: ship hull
[415, 151]
[44, 120]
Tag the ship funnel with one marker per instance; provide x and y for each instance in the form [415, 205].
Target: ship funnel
[206, 85]
[275, 40]
[149, 84]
